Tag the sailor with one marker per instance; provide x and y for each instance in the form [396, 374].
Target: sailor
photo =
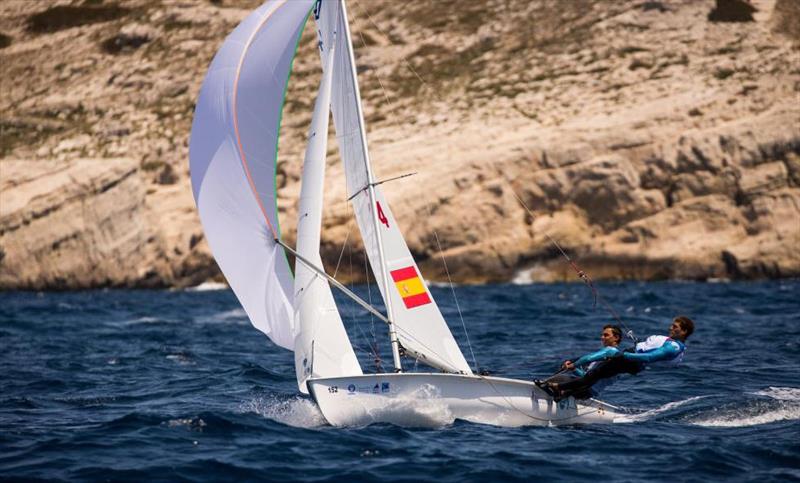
[592, 372]
[655, 349]
[663, 349]
[610, 338]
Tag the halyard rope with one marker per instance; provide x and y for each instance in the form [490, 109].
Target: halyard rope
[581, 274]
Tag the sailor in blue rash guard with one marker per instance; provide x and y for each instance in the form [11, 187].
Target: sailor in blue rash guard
[663, 349]
[655, 349]
[610, 338]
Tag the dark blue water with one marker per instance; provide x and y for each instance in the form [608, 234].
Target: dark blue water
[176, 385]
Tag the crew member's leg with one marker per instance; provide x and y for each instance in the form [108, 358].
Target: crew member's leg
[582, 385]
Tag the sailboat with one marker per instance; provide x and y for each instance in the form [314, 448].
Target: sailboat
[233, 158]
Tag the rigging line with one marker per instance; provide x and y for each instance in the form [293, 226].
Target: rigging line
[389, 102]
[391, 106]
[583, 275]
[332, 280]
[371, 319]
[361, 330]
[344, 245]
[453, 291]
[368, 306]
[361, 36]
[373, 348]
[363, 334]
[514, 406]
[378, 183]
[408, 64]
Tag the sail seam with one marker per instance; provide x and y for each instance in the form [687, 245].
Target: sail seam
[280, 117]
[250, 180]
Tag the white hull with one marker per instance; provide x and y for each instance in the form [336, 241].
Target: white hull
[423, 399]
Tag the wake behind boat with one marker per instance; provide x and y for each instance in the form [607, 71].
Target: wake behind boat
[233, 158]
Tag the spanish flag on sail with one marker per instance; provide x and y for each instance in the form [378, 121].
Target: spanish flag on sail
[410, 286]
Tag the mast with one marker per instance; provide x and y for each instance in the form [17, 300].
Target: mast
[371, 192]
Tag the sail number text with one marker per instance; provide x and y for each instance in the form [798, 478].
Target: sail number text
[381, 216]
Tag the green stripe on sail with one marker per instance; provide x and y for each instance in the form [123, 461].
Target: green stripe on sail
[278, 137]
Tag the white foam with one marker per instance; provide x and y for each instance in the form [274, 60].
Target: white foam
[780, 393]
[196, 424]
[140, 320]
[644, 416]
[784, 406]
[237, 315]
[206, 286]
[751, 417]
[182, 359]
[421, 408]
[523, 277]
[144, 320]
[297, 412]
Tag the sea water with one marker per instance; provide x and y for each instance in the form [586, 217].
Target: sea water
[177, 385]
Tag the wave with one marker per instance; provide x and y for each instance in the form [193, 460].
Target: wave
[780, 393]
[207, 286]
[235, 316]
[754, 416]
[195, 423]
[297, 412]
[766, 406]
[406, 411]
[650, 414]
[782, 404]
[523, 277]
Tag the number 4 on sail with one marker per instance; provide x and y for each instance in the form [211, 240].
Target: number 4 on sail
[233, 157]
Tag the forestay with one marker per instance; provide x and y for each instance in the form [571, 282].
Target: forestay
[420, 326]
[233, 154]
[322, 348]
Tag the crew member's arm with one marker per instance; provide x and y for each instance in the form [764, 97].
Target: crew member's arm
[669, 350]
[604, 353]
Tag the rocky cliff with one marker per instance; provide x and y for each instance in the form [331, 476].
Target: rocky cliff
[651, 139]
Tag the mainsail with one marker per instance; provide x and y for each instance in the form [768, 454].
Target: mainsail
[322, 348]
[233, 155]
[420, 326]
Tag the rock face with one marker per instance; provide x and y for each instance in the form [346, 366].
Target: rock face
[80, 223]
[656, 139]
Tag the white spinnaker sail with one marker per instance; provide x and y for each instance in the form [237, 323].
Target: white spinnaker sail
[418, 321]
[233, 155]
[322, 348]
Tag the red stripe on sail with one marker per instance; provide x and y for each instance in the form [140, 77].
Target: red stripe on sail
[417, 300]
[403, 274]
